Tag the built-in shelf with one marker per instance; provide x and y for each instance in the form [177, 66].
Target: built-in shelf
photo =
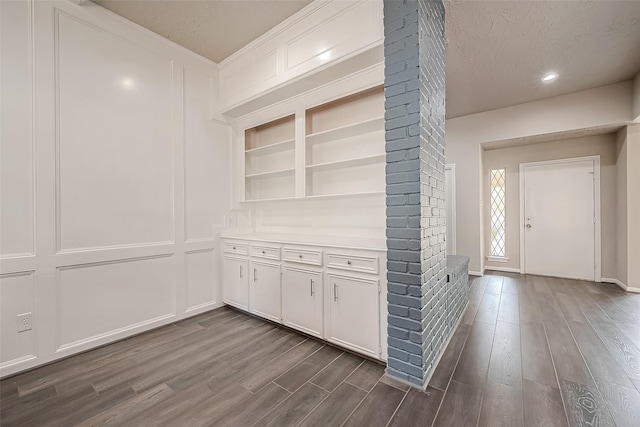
[347, 131]
[358, 161]
[271, 174]
[273, 148]
[342, 153]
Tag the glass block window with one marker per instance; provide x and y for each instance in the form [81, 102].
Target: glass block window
[498, 211]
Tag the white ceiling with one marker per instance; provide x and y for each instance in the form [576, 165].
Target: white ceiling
[496, 50]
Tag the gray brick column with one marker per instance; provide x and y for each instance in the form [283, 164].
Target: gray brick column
[420, 317]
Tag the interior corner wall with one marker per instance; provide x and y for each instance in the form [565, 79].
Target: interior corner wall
[633, 207]
[511, 158]
[636, 98]
[113, 180]
[621, 206]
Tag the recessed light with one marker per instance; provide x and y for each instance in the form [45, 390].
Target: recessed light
[549, 77]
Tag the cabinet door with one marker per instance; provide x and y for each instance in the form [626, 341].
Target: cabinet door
[235, 283]
[353, 313]
[302, 292]
[264, 290]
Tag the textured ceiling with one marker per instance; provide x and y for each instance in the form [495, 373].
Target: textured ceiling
[212, 28]
[496, 50]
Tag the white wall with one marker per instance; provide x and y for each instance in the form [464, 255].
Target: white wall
[606, 107]
[510, 158]
[636, 98]
[621, 206]
[114, 180]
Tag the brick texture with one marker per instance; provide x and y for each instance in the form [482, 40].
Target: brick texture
[423, 305]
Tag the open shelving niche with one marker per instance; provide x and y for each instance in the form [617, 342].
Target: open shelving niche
[269, 153]
[343, 151]
[344, 145]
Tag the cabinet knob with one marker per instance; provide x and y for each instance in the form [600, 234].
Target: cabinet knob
[234, 248]
[300, 256]
[349, 262]
[263, 252]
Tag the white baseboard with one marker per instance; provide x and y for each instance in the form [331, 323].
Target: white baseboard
[505, 269]
[475, 273]
[622, 285]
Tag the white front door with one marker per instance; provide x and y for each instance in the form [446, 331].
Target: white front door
[559, 216]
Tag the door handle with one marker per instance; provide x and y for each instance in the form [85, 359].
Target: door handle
[528, 226]
[311, 287]
[335, 292]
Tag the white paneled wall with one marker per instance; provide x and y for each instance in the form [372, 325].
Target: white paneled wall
[114, 180]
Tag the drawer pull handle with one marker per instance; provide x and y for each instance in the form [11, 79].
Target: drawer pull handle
[241, 272]
[349, 262]
[311, 287]
[255, 274]
[335, 292]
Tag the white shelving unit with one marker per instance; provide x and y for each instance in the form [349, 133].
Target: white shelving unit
[269, 160]
[342, 147]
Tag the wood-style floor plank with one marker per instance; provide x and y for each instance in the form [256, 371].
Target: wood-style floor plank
[601, 364]
[584, 405]
[494, 286]
[488, 310]
[474, 361]
[295, 407]
[536, 359]
[305, 370]
[366, 376]
[621, 348]
[443, 372]
[118, 414]
[336, 408]
[418, 408]
[505, 366]
[502, 406]
[566, 354]
[529, 310]
[336, 372]
[623, 402]
[377, 408]
[542, 405]
[509, 308]
[460, 406]
[255, 380]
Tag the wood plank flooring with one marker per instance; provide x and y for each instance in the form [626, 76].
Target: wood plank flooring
[529, 351]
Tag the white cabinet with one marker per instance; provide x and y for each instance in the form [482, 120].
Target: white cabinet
[353, 313]
[235, 283]
[302, 295]
[264, 290]
[332, 293]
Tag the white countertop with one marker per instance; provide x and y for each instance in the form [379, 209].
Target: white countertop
[327, 241]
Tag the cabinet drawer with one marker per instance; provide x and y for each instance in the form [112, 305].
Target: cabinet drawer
[363, 264]
[303, 256]
[261, 251]
[236, 248]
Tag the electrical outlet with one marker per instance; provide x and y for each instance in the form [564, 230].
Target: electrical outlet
[24, 322]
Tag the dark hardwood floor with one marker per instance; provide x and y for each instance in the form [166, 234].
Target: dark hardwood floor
[530, 351]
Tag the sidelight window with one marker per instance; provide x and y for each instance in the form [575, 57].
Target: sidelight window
[498, 212]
